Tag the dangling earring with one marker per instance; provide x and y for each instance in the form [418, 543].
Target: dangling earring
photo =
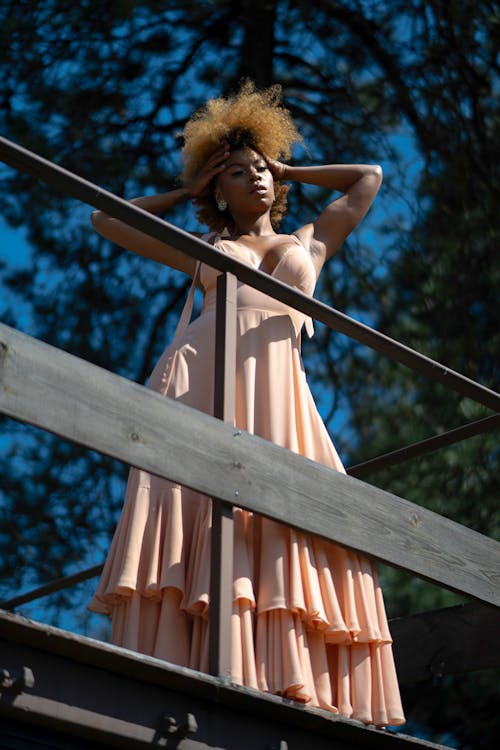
[221, 204]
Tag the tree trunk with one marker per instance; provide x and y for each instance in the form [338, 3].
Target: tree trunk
[257, 49]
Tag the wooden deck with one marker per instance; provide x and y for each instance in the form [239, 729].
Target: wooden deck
[79, 690]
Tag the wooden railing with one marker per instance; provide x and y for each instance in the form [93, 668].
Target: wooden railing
[72, 398]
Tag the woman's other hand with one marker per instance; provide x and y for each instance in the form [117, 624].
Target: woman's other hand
[214, 165]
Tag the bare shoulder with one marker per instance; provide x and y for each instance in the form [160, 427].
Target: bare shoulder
[315, 248]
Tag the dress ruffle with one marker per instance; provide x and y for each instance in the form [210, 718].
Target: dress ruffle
[314, 628]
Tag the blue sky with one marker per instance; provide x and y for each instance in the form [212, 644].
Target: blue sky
[14, 246]
[16, 252]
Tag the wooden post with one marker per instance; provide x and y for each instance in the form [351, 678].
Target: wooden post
[221, 570]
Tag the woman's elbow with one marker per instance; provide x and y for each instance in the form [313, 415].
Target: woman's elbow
[376, 171]
[373, 176]
[98, 220]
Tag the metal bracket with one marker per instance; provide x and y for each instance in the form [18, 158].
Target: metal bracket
[170, 727]
[16, 682]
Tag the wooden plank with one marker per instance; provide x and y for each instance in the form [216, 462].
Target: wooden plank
[72, 398]
[446, 641]
[77, 187]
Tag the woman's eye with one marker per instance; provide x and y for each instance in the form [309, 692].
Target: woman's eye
[236, 173]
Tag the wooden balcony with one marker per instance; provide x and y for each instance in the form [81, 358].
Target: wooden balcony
[60, 690]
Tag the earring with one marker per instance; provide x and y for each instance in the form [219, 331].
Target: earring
[221, 204]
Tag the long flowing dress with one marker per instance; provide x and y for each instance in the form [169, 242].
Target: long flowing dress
[308, 619]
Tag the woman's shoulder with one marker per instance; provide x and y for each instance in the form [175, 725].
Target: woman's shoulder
[312, 245]
[213, 238]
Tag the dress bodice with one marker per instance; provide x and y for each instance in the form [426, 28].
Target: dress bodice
[294, 268]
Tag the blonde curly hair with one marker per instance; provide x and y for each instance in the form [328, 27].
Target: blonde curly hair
[249, 119]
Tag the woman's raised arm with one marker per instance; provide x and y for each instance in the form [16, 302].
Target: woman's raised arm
[132, 239]
[359, 184]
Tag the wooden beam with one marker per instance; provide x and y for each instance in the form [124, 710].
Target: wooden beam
[446, 641]
[79, 401]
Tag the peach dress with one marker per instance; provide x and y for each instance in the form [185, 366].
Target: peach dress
[308, 618]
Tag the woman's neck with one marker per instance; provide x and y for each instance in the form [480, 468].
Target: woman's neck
[260, 227]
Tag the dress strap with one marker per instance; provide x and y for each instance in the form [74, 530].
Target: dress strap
[187, 311]
[309, 326]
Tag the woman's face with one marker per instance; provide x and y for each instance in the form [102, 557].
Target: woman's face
[246, 183]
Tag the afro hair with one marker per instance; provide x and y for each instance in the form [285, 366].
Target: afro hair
[249, 119]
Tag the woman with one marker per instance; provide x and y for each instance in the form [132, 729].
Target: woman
[308, 617]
